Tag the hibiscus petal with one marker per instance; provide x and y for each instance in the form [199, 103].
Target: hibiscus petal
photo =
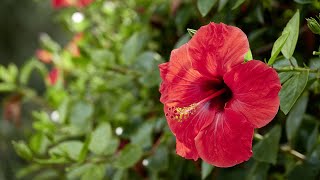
[180, 82]
[255, 87]
[185, 151]
[216, 48]
[185, 123]
[227, 141]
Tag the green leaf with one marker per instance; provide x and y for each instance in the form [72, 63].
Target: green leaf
[191, 32]
[237, 4]
[292, 27]
[100, 138]
[27, 69]
[48, 43]
[129, 156]
[313, 25]
[205, 6]
[182, 40]
[306, 170]
[133, 46]
[205, 169]
[81, 111]
[304, 1]
[267, 149]
[258, 171]
[295, 116]
[69, 149]
[313, 139]
[142, 136]
[159, 161]
[292, 89]
[222, 4]
[284, 76]
[95, 172]
[39, 143]
[248, 56]
[121, 174]
[277, 46]
[7, 87]
[76, 172]
[23, 172]
[22, 150]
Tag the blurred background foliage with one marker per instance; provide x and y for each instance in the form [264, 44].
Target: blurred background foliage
[79, 89]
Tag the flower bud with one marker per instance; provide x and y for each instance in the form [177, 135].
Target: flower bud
[313, 25]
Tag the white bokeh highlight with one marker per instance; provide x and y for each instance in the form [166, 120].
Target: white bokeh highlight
[119, 131]
[145, 162]
[55, 116]
[77, 17]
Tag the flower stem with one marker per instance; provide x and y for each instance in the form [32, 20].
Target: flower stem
[315, 53]
[284, 148]
[288, 149]
[297, 69]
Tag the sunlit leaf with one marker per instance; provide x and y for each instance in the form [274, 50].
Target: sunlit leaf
[292, 28]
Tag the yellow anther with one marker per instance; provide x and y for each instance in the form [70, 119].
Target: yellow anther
[183, 113]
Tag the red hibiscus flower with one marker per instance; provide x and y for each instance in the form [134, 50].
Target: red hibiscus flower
[213, 100]
[68, 3]
[53, 76]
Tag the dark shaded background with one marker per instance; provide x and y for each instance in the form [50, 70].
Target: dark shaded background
[21, 23]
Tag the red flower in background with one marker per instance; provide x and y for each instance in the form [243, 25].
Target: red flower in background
[53, 76]
[212, 100]
[67, 3]
[44, 55]
[73, 46]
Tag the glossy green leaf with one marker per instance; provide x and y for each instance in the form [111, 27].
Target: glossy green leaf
[237, 4]
[133, 47]
[313, 139]
[292, 89]
[266, 150]
[22, 150]
[39, 143]
[27, 69]
[159, 161]
[69, 149]
[259, 171]
[7, 87]
[205, 6]
[305, 170]
[292, 28]
[182, 40]
[100, 138]
[277, 46]
[128, 156]
[48, 43]
[78, 171]
[284, 76]
[304, 1]
[191, 31]
[143, 136]
[95, 172]
[81, 111]
[222, 4]
[205, 169]
[295, 116]
[248, 56]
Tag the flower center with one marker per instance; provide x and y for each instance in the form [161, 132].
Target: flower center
[220, 101]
